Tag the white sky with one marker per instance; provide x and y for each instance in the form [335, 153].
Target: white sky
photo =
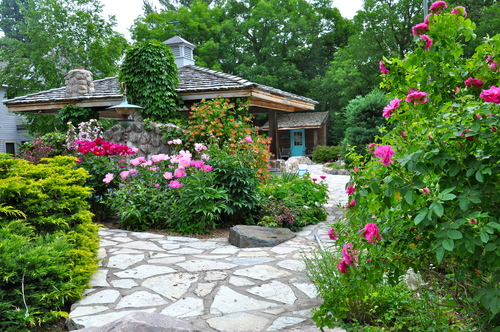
[128, 10]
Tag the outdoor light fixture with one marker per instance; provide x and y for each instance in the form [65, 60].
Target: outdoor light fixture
[125, 109]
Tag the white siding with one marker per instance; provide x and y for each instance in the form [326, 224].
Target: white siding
[8, 126]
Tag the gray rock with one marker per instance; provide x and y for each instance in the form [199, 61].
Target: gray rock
[244, 236]
[144, 322]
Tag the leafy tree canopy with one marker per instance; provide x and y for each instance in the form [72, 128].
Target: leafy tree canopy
[44, 39]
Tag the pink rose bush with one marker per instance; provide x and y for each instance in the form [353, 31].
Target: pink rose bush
[385, 153]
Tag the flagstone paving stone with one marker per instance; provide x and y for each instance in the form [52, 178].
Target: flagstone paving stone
[208, 283]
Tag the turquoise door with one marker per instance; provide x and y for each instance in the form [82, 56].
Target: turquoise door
[297, 142]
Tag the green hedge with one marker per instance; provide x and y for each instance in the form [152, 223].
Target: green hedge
[48, 242]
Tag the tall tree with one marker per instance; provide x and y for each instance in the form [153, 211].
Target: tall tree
[48, 38]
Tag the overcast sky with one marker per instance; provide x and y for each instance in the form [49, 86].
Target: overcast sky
[128, 10]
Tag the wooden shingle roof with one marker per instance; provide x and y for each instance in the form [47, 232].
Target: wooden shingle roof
[195, 83]
[287, 121]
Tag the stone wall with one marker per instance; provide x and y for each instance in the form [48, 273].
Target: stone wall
[147, 141]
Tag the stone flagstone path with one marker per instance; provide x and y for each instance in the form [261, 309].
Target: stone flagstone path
[208, 283]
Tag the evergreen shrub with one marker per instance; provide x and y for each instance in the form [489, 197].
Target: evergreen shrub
[48, 242]
[323, 153]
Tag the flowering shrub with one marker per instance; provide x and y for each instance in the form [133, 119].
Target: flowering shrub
[35, 150]
[175, 192]
[226, 125]
[435, 197]
[293, 202]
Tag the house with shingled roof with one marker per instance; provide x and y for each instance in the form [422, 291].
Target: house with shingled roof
[195, 84]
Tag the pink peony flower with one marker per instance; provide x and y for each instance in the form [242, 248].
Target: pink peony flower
[180, 173]
[198, 147]
[78, 160]
[175, 184]
[157, 185]
[391, 107]
[428, 41]
[124, 175]
[108, 178]
[332, 234]
[385, 152]
[383, 70]
[350, 190]
[416, 96]
[438, 6]
[420, 29]
[248, 139]
[474, 81]
[459, 11]
[206, 168]
[370, 232]
[168, 175]
[492, 95]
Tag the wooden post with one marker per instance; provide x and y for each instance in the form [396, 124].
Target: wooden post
[273, 132]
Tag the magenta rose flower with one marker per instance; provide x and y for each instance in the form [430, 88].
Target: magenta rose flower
[350, 190]
[420, 29]
[428, 41]
[438, 6]
[492, 95]
[391, 107]
[385, 153]
[416, 96]
[473, 81]
[332, 234]
[383, 70]
[459, 11]
[371, 233]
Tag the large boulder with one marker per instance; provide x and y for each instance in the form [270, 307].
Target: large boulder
[243, 236]
[144, 322]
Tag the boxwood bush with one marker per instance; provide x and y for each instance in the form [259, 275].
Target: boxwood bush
[48, 242]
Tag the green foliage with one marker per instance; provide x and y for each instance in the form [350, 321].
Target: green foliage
[435, 199]
[323, 153]
[47, 241]
[365, 306]
[303, 197]
[241, 183]
[151, 79]
[45, 39]
[75, 114]
[363, 119]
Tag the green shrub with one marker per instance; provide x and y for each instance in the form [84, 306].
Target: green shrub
[48, 242]
[303, 197]
[323, 154]
[432, 183]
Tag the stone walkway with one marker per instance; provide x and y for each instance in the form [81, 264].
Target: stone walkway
[208, 283]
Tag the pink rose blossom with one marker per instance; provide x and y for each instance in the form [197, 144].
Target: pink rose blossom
[350, 190]
[420, 29]
[108, 178]
[248, 139]
[349, 254]
[371, 146]
[351, 203]
[492, 63]
[314, 179]
[332, 234]
[492, 95]
[157, 185]
[342, 266]
[391, 107]
[385, 152]
[473, 221]
[356, 168]
[370, 232]
[175, 184]
[403, 134]
[438, 6]
[168, 175]
[474, 81]
[428, 41]
[459, 11]
[383, 70]
[426, 19]
[416, 96]
[322, 177]
[426, 190]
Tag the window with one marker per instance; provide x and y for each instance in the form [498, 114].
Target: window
[10, 147]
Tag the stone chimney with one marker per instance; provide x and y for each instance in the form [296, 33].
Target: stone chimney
[79, 82]
[182, 49]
